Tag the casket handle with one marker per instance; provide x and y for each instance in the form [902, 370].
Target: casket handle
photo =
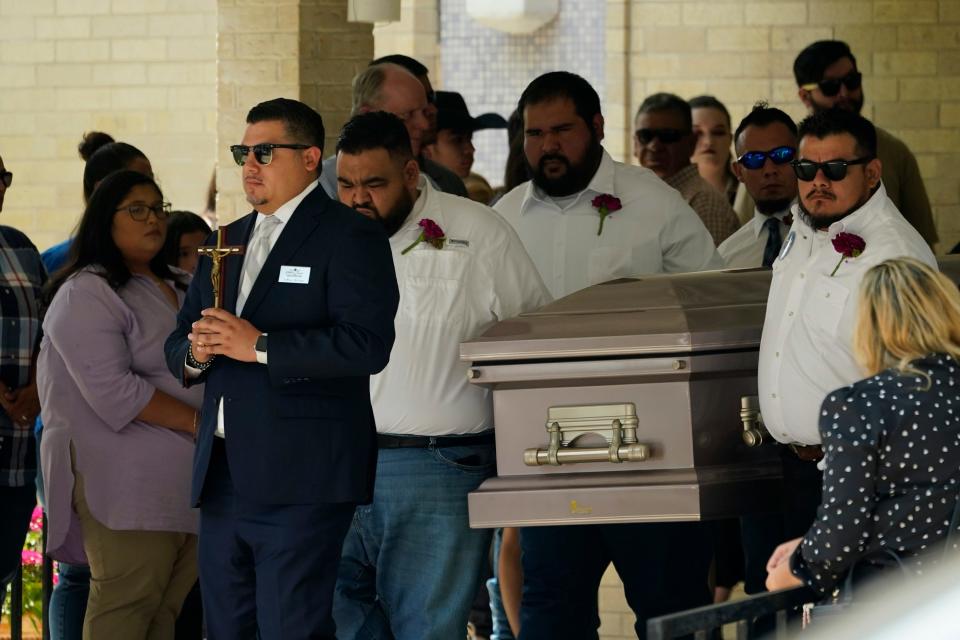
[623, 447]
[753, 430]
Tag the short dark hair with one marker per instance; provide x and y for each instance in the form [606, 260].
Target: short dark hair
[302, 123]
[562, 84]
[179, 224]
[413, 66]
[668, 102]
[763, 115]
[376, 130]
[108, 157]
[838, 121]
[814, 60]
[93, 244]
[709, 102]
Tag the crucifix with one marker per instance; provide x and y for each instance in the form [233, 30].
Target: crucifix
[216, 255]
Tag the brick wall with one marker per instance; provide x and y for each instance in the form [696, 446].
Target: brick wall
[742, 51]
[142, 70]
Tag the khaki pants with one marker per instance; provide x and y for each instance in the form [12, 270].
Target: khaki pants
[138, 579]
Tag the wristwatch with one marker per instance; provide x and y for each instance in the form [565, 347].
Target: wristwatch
[261, 346]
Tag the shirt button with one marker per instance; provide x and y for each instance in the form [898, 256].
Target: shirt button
[777, 354]
[773, 395]
[801, 275]
[790, 313]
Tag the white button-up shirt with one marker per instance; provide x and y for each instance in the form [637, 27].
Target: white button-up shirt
[283, 215]
[746, 246]
[482, 275]
[807, 346]
[654, 232]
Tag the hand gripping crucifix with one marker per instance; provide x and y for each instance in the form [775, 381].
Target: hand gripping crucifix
[216, 255]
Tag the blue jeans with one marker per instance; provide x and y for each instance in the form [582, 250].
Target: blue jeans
[501, 626]
[411, 565]
[68, 603]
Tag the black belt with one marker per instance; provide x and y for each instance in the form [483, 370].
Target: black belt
[388, 441]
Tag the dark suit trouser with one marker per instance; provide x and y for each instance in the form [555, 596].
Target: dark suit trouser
[266, 568]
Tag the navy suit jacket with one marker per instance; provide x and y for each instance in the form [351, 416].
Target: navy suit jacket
[299, 430]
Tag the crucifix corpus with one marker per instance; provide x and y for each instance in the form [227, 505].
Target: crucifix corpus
[216, 255]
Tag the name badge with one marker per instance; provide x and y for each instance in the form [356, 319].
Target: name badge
[295, 275]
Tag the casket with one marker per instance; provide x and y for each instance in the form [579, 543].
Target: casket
[630, 401]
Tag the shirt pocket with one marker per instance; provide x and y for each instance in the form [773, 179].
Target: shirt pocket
[825, 304]
[432, 286]
[608, 263]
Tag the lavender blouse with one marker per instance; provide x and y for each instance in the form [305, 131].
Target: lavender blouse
[100, 362]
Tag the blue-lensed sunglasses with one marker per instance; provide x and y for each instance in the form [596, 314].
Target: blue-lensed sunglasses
[756, 159]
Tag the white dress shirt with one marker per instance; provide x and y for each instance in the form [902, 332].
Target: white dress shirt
[283, 215]
[746, 246]
[806, 349]
[480, 276]
[654, 232]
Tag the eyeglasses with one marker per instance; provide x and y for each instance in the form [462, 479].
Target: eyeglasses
[140, 212]
[831, 87]
[263, 153]
[666, 136]
[834, 170]
[756, 159]
[6, 178]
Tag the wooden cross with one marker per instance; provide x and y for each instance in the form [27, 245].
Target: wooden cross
[216, 255]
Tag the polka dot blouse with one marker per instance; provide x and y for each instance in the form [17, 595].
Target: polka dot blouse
[891, 472]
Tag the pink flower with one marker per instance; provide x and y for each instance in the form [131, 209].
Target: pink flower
[848, 245]
[606, 204]
[31, 557]
[430, 232]
[36, 520]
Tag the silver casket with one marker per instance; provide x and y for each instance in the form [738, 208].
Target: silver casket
[630, 401]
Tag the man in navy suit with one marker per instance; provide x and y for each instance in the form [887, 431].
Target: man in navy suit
[286, 445]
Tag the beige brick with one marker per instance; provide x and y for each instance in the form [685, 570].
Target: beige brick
[912, 37]
[943, 190]
[202, 48]
[927, 162]
[948, 63]
[129, 123]
[898, 11]
[931, 140]
[30, 52]
[258, 46]
[138, 98]
[918, 63]
[64, 75]
[831, 12]
[288, 18]
[919, 89]
[247, 19]
[654, 65]
[783, 91]
[122, 26]
[675, 39]
[18, 75]
[181, 120]
[779, 13]
[71, 123]
[655, 14]
[20, 123]
[17, 28]
[916, 115]
[949, 11]
[252, 72]
[179, 73]
[950, 114]
[738, 39]
[713, 65]
[794, 39]
[712, 14]
[776, 64]
[865, 39]
[742, 91]
[26, 8]
[82, 7]
[83, 50]
[615, 40]
[63, 28]
[82, 99]
[192, 98]
[119, 73]
[139, 6]
[882, 90]
[176, 25]
[949, 89]
[139, 50]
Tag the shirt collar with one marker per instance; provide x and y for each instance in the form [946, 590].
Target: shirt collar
[760, 218]
[423, 207]
[283, 213]
[602, 182]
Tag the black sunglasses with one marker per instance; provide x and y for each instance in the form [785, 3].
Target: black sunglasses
[666, 136]
[756, 159]
[6, 178]
[834, 170]
[263, 153]
[831, 87]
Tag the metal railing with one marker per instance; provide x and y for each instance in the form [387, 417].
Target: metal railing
[704, 622]
[16, 593]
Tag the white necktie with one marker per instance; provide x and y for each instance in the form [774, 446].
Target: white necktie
[257, 251]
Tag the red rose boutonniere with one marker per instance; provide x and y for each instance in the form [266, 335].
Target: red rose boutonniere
[606, 204]
[848, 245]
[430, 232]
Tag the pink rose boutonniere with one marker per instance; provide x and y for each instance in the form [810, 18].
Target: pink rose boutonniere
[606, 204]
[848, 245]
[430, 232]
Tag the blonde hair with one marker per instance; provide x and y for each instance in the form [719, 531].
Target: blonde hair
[907, 310]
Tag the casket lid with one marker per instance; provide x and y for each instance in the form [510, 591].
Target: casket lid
[650, 315]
